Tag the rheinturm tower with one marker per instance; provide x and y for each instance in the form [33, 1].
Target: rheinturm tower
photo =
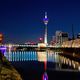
[45, 20]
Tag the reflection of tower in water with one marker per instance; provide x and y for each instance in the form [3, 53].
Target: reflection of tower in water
[42, 57]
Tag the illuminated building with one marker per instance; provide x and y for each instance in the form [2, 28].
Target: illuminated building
[61, 37]
[53, 42]
[45, 22]
[71, 43]
[78, 35]
[58, 37]
[64, 37]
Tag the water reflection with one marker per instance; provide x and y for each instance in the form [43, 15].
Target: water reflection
[33, 55]
[42, 56]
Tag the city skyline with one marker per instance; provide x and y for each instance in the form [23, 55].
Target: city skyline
[22, 21]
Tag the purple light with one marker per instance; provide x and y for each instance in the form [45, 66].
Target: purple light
[3, 49]
[45, 19]
[45, 76]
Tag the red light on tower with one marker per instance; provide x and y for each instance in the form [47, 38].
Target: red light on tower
[40, 40]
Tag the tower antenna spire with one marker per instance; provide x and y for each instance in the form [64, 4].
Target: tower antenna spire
[45, 14]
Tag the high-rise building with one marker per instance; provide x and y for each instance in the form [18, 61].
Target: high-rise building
[53, 41]
[78, 35]
[58, 35]
[64, 36]
[61, 37]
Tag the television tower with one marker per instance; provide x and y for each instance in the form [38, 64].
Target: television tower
[45, 20]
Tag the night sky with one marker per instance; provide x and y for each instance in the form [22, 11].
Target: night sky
[22, 20]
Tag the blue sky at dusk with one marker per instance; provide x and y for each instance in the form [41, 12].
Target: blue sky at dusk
[22, 20]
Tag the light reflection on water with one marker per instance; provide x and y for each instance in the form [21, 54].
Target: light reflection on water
[33, 55]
